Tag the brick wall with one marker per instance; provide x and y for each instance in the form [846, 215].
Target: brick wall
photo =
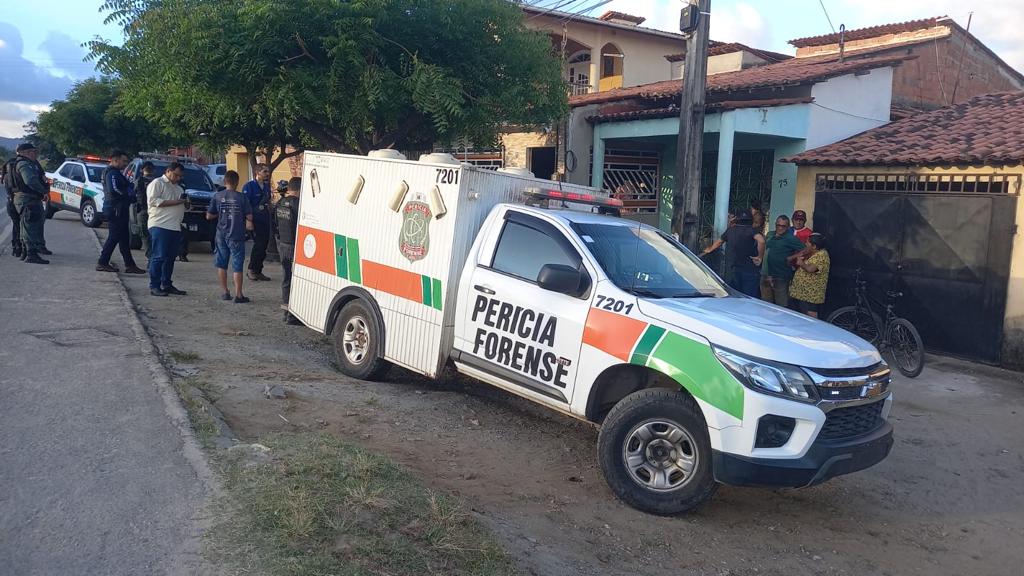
[927, 81]
[517, 145]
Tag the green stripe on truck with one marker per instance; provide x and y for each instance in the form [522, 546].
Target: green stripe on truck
[704, 375]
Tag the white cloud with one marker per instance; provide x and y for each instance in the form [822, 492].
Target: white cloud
[730, 21]
[14, 116]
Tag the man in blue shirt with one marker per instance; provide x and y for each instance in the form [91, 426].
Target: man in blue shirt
[117, 197]
[258, 192]
[230, 208]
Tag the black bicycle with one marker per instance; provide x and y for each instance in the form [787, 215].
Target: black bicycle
[894, 335]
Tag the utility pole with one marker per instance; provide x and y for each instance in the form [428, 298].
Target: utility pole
[690, 146]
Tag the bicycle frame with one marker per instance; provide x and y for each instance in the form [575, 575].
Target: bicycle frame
[866, 302]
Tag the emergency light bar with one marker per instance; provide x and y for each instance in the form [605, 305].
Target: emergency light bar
[90, 158]
[577, 197]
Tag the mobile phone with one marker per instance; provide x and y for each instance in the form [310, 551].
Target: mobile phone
[314, 182]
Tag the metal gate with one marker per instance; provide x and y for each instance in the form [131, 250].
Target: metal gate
[751, 181]
[947, 251]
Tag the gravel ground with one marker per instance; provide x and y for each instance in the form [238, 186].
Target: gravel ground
[947, 501]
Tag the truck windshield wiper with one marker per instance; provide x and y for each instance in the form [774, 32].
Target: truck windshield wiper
[692, 295]
[644, 293]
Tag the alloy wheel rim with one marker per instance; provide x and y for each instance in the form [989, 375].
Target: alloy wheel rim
[356, 340]
[660, 455]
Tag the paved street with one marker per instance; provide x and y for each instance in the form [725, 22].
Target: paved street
[95, 476]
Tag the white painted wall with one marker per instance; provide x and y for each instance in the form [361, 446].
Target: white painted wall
[864, 100]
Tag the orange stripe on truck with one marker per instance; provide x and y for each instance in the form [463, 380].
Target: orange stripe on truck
[394, 281]
[613, 333]
[315, 249]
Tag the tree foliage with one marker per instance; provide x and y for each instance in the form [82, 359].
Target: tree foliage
[351, 75]
[91, 120]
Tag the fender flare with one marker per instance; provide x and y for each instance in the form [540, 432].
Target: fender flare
[348, 294]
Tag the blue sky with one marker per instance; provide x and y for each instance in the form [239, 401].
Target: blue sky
[41, 57]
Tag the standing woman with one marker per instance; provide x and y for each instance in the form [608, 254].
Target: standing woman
[811, 278]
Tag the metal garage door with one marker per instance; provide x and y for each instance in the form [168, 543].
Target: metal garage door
[948, 252]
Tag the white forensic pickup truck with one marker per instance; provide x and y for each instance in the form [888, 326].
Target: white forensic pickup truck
[535, 287]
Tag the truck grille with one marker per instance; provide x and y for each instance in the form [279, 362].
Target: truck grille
[852, 421]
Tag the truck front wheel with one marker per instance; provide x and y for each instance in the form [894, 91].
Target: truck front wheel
[655, 452]
[358, 342]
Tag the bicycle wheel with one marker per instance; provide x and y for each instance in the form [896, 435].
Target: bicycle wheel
[860, 321]
[907, 348]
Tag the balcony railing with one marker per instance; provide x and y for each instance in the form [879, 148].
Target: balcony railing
[578, 88]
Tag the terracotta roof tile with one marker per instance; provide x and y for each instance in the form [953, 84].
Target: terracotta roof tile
[673, 110]
[792, 72]
[869, 32]
[987, 129]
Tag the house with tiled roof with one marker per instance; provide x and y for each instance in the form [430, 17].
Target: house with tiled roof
[931, 204]
[607, 53]
[836, 86]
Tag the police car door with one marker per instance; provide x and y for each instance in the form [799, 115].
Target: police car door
[527, 304]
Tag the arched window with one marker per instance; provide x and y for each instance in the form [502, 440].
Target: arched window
[579, 73]
[612, 61]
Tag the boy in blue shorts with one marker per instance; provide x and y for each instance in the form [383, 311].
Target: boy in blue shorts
[233, 214]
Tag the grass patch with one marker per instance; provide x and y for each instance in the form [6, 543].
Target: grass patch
[212, 392]
[184, 357]
[202, 421]
[319, 506]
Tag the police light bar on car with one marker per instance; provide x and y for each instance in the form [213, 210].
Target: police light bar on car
[577, 197]
[90, 158]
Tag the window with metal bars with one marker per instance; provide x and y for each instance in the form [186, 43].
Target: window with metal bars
[954, 183]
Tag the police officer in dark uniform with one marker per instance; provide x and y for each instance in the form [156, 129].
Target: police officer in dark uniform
[286, 221]
[29, 183]
[17, 248]
[118, 196]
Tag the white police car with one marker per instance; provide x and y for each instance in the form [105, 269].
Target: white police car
[77, 186]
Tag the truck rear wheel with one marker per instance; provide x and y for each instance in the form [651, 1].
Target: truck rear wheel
[655, 452]
[358, 342]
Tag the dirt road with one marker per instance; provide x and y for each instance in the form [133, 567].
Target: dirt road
[947, 501]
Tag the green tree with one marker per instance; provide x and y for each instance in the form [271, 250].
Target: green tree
[91, 120]
[5, 154]
[350, 76]
[50, 155]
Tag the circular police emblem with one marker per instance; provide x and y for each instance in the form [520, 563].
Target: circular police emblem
[309, 246]
[414, 240]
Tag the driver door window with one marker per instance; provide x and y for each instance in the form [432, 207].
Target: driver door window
[77, 173]
[523, 250]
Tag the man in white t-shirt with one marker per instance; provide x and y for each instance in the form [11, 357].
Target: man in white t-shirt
[165, 199]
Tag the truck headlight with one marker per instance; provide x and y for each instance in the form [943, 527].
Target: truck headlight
[769, 377]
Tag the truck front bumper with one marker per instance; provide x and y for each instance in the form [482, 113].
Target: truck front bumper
[824, 459]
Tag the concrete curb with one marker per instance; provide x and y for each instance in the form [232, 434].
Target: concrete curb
[173, 405]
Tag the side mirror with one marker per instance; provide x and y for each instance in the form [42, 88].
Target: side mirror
[560, 278]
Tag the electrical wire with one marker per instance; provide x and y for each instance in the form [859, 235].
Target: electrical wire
[848, 113]
[827, 17]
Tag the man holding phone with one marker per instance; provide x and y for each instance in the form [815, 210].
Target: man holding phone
[165, 199]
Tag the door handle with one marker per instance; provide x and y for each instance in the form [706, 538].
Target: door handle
[484, 289]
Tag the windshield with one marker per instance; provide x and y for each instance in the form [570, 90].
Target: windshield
[195, 179]
[95, 173]
[648, 263]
